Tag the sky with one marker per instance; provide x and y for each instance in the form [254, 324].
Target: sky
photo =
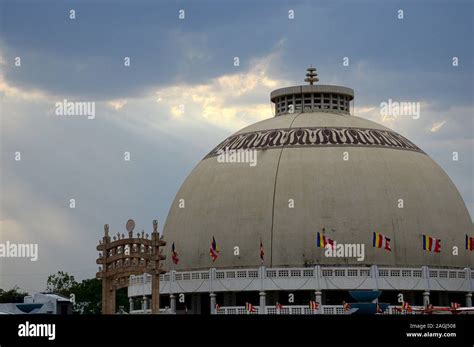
[182, 94]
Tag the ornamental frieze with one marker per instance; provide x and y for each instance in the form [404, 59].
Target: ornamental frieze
[313, 137]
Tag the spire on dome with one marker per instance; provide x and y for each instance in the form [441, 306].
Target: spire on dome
[311, 75]
[312, 97]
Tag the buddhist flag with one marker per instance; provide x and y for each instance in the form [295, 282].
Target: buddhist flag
[322, 241]
[431, 244]
[214, 251]
[379, 309]
[455, 305]
[381, 241]
[261, 250]
[469, 243]
[406, 307]
[174, 254]
[313, 305]
[249, 307]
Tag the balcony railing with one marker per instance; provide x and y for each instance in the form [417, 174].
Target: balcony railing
[309, 278]
[288, 310]
[302, 310]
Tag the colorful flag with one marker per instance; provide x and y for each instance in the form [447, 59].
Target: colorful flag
[455, 305]
[261, 250]
[431, 244]
[469, 243]
[322, 241]
[346, 306]
[381, 241]
[174, 254]
[379, 309]
[313, 305]
[214, 251]
[250, 308]
[406, 307]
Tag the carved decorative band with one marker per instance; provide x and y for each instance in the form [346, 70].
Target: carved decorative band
[307, 137]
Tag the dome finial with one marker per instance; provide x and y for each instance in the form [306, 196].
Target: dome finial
[311, 75]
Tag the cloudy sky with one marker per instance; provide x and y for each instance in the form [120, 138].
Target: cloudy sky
[182, 94]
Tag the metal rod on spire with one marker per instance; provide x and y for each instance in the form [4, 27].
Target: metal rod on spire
[311, 75]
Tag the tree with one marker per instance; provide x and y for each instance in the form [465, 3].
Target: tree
[14, 295]
[87, 294]
[61, 283]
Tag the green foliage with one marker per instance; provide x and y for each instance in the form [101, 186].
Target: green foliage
[122, 299]
[61, 283]
[14, 295]
[88, 293]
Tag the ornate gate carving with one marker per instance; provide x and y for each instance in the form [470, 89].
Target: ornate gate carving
[123, 257]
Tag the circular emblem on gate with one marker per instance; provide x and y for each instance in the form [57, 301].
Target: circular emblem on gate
[130, 225]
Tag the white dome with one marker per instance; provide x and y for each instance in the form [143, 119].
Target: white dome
[300, 157]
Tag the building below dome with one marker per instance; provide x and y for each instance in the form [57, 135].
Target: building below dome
[334, 203]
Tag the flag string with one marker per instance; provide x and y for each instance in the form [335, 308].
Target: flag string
[192, 291]
[276, 285]
[236, 290]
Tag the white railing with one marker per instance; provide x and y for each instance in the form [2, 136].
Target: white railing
[305, 310]
[308, 278]
[396, 310]
[148, 311]
[293, 310]
[305, 273]
[236, 310]
[290, 310]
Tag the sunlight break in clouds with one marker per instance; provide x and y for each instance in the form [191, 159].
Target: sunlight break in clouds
[226, 101]
[437, 126]
[117, 104]
[12, 92]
